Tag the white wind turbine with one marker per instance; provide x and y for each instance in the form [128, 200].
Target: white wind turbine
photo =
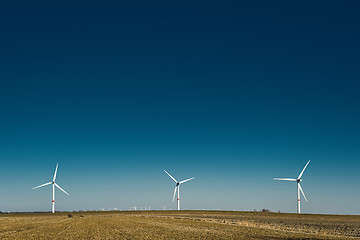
[177, 187]
[298, 180]
[53, 187]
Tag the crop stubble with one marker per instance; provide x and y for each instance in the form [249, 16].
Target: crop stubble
[177, 225]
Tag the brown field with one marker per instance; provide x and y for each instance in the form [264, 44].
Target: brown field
[177, 225]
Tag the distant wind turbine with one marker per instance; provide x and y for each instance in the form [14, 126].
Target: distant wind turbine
[53, 187]
[298, 180]
[177, 187]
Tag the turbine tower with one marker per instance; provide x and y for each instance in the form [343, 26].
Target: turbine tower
[177, 188]
[53, 188]
[298, 180]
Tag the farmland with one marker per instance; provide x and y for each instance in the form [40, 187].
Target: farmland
[177, 225]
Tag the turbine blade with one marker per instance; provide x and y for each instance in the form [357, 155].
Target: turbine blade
[302, 192]
[42, 185]
[286, 179]
[302, 172]
[186, 180]
[174, 193]
[171, 176]
[61, 188]
[55, 172]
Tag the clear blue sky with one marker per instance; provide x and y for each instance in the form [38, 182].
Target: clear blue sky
[231, 93]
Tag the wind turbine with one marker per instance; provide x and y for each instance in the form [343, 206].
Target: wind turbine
[53, 187]
[298, 180]
[177, 187]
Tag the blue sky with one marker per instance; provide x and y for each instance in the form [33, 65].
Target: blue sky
[231, 93]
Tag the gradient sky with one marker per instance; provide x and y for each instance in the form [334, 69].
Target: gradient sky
[231, 93]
